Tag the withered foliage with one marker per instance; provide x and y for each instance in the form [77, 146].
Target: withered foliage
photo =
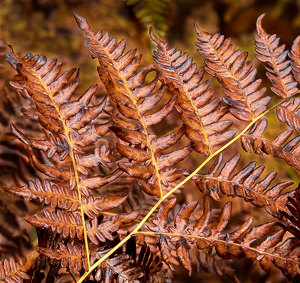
[104, 170]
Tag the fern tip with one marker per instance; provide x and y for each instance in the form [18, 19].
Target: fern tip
[259, 27]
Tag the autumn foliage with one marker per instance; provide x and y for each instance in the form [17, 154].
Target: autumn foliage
[108, 172]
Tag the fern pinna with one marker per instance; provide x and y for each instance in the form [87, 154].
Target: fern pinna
[106, 176]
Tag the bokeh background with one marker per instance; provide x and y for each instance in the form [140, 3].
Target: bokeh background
[47, 27]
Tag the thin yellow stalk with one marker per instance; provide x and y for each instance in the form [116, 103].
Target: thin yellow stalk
[137, 228]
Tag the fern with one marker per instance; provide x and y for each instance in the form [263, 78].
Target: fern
[106, 176]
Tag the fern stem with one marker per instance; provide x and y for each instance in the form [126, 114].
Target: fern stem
[137, 228]
[74, 165]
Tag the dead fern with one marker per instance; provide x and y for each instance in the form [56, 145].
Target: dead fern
[105, 170]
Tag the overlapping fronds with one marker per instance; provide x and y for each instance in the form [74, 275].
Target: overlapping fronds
[138, 200]
[279, 70]
[57, 196]
[12, 271]
[107, 175]
[68, 121]
[235, 73]
[130, 267]
[289, 113]
[246, 184]
[242, 242]
[71, 256]
[201, 110]
[125, 83]
[280, 147]
[69, 224]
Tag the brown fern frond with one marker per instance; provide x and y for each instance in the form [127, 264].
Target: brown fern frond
[12, 271]
[104, 231]
[293, 213]
[58, 196]
[67, 120]
[70, 256]
[235, 73]
[138, 200]
[69, 224]
[14, 241]
[289, 112]
[260, 243]
[211, 263]
[295, 56]
[201, 111]
[133, 229]
[246, 184]
[94, 206]
[48, 193]
[279, 70]
[290, 152]
[14, 164]
[125, 83]
[133, 266]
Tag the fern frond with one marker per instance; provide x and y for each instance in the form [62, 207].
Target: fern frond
[290, 152]
[279, 70]
[125, 83]
[235, 73]
[293, 213]
[211, 263]
[201, 111]
[48, 193]
[58, 196]
[133, 266]
[138, 200]
[69, 224]
[94, 206]
[295, 57]
[246, 184]
[70, 256]
[270, 250]
[104, 231]
[289, 112]
[67, 121]
[16, 271]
